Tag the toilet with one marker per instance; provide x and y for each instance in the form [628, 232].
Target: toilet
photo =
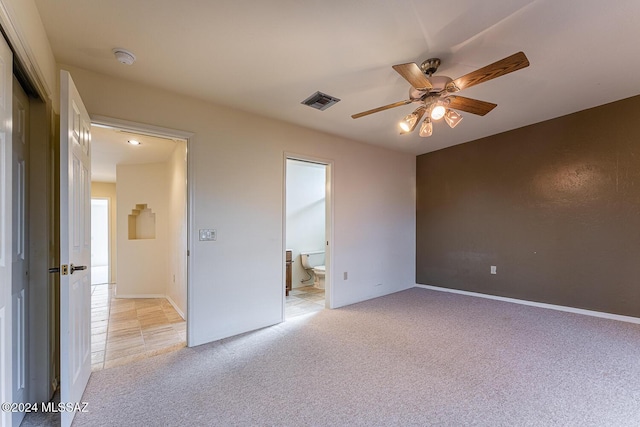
[314, 261]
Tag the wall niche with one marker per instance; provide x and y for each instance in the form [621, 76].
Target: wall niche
[142, 223]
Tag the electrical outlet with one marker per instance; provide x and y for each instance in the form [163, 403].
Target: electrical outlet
[345, 276]
[494, 269]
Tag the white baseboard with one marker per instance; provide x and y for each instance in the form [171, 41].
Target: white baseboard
[601, 314]
[141, 296]
[175, 306]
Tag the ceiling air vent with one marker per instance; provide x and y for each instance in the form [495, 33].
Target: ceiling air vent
[320, 101]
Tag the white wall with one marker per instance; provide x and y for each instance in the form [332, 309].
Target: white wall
[142, 263]
[31, 42]
[306, 205]
[238, 173]
[177, 279]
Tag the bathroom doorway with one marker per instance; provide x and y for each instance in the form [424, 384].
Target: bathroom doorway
[307, 231]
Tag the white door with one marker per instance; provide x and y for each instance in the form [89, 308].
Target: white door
[6, 160]
[75, 245]
[20, 250]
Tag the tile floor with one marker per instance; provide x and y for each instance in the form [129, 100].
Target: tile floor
[303, 300]
[127, 329]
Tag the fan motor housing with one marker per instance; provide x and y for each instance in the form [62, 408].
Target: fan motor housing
[430, 66]
[439, 84]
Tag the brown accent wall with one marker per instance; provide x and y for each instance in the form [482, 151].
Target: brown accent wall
[555, 206]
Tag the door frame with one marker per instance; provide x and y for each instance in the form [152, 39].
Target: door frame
[6, 231]
[43, 378]
[44, 353]
[329, 275]
[189, 137]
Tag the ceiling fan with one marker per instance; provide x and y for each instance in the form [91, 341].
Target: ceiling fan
[434, 94]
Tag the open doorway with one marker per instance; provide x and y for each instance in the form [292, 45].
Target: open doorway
[307, 230]
[139, 296]
[100, 230]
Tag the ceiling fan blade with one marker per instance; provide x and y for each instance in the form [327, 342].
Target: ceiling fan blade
[500, 68]
[385, 107]
[473, 106]
[412, 73]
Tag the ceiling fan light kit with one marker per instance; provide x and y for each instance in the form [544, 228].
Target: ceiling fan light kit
[435, 93]
[408, 124]
[437, 112]
[452, 118]
[426, 129]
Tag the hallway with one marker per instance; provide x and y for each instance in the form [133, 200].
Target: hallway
[126, 330]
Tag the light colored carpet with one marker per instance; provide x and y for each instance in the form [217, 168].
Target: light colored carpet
[417, 357]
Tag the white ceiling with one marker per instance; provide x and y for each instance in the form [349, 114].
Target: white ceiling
[111, 148]
[265, 57]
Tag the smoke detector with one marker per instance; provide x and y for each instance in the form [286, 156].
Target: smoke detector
[124, 56]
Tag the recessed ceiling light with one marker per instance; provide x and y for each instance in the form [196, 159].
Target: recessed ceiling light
[134, 142]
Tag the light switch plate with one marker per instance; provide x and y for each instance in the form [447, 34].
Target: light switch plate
[208, 234]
